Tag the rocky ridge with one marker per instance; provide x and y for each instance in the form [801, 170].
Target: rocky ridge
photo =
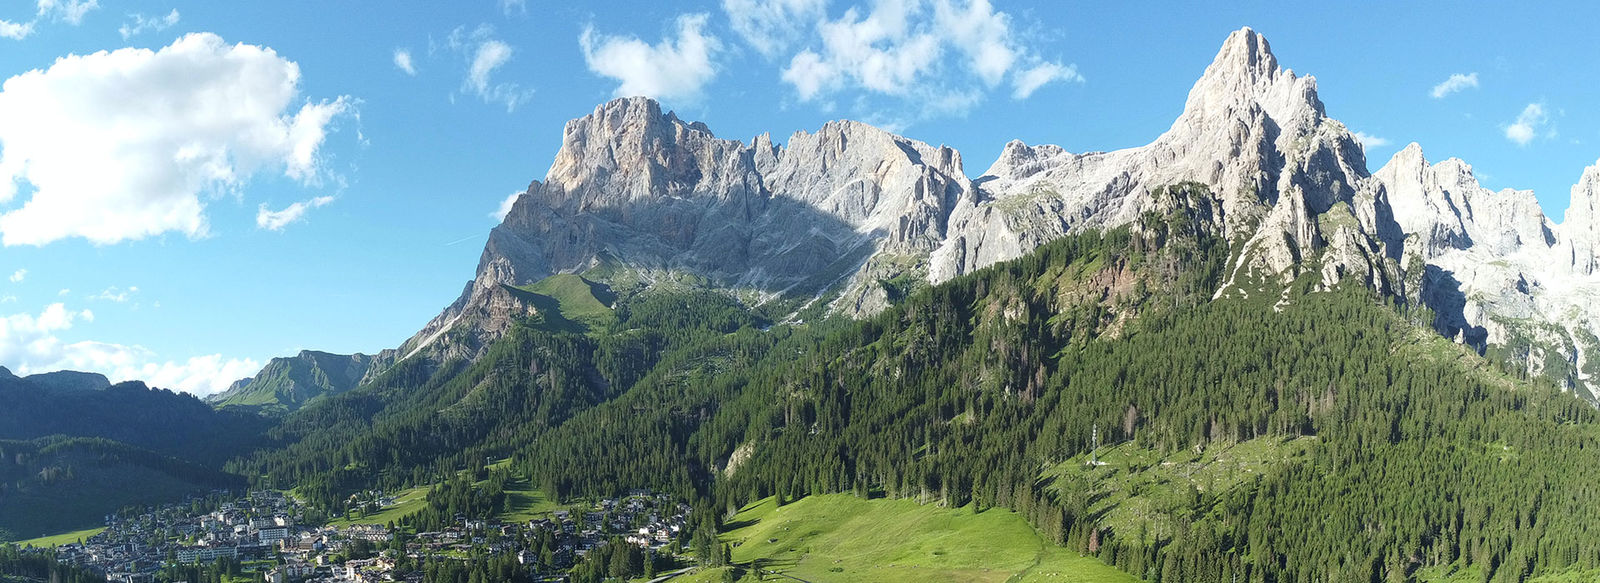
[640, 197]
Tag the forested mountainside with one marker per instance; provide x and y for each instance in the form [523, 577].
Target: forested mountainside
[57, 483]
[171, 423]
[1283, 435]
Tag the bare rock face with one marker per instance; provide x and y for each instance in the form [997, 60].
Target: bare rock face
[1254, 133]
[640, 191]
[1498, 274]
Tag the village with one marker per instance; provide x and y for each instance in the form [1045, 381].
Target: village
[263, 536]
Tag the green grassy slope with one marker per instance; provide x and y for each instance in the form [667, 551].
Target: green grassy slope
[839, 537]
[570, 303]
[65, 538]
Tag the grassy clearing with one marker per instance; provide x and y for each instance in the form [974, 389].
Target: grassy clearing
[406, 502]
[572, 303]
[839, 537]
[524, 503]
[65, 538]
[1139, 490]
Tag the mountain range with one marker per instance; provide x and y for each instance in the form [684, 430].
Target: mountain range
[637, 198]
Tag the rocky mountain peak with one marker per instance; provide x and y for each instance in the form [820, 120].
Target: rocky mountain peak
[1244, 76]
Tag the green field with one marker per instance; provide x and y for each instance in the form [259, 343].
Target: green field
[406, 502]
[525, 503]
[65, 538]
[839, 537]
[571, 303]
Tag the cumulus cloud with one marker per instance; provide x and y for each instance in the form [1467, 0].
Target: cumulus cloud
[1369, 141]
[672, 69]
[159, 128]
[1455, 84]
[485, 55]
[402, 61]
[139, 24]
[514, 7]
[913, 49]
[70, 11]
[31, 343]
[773, 26]
[18, 276]
[276, 220]
[1528, 123]
[499, 214]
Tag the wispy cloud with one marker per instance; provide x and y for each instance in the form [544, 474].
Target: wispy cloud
[486, 55]
[19, 275]
[139, 24]
[1455, 84]
[277, 220]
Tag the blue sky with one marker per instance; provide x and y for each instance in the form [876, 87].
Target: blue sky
[191, 188]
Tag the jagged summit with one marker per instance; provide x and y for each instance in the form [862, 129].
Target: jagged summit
[1245, 73]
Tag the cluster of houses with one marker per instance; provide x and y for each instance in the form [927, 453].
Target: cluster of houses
[263, 530]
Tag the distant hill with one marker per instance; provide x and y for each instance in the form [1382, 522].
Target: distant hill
[54, 484]
[166, 422]
[287, 384]
[69, 380]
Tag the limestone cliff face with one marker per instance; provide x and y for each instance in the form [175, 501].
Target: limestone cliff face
[642, 191]
[1497, 273]
[1255, 133]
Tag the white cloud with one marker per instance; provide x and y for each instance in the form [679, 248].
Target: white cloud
[1455, 84]
[159, 128]
[1031, 79]
[489, 56]
[485, 55]
[912, 49]
[139, 24]
[71, 11]
[773, 26]
[1369, 141]
[15, 30]
[116, 294]
[402, 61]
[32, 344]
[499, 215]
[277, 220]
[1526, 127]
[19, 275]
[672, 69]
[514, 7]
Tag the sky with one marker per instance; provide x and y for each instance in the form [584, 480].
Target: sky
[188, 189]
